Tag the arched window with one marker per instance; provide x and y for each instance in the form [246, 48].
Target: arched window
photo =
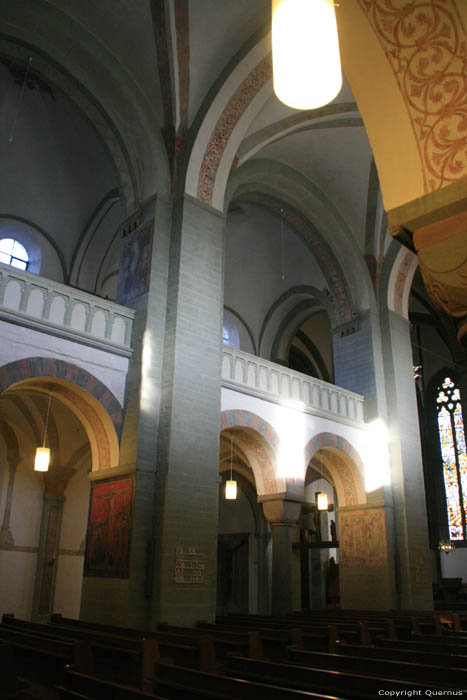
[13, 253]
[454, 456]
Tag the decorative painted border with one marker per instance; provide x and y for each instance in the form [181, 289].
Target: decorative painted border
[226, 123]
[425, 45]
[33, 367]
[318, 442]
[245, 419]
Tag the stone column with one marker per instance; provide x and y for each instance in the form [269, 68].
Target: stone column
[412, 553]
[55, 482]
[282, 516]
[6, 536]
[186, 487]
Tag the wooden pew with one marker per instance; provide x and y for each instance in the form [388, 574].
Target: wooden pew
[351, 685]
[313, 632]
[411, 655]
[127, 659]
[130, 659]
[244, 643]
[38, 658]
[222, 686]
[435, 646]
[81, 686]
[9, 684]
[274, 641]
[195, 651]
[443, 677]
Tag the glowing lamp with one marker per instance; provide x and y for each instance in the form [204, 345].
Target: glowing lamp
[305, 52]
[230, 490]
[231, 484]
[446, 546]
[41, 463]
[322, 500]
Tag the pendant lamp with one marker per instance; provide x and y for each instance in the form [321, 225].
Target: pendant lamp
[321, 497]
[231, 485]
[305, 52]
[41, 463]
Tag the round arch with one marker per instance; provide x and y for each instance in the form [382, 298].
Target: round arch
[259, 444]
[341, 464]
[311, 214]
[93, 404]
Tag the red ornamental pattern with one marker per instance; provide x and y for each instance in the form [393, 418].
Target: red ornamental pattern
[226, 123]
[425, 43]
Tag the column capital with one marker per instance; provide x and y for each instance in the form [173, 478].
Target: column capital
[279, 510]
[56, 480]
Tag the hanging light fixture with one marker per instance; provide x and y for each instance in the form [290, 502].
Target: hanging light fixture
[321, 497]
[231, 485]
[446, 546]
[41, 463]
[305, 52]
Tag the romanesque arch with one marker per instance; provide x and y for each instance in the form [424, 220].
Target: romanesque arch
[94, 405]
[259, 443]
[341, 463]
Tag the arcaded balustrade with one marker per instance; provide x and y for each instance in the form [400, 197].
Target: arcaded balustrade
[47, 305]
[270, 380]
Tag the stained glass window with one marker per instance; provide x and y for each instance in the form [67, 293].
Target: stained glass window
[454, 456]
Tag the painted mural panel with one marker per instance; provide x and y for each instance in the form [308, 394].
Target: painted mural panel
[135, 265]
[109, 529]
[362, 537]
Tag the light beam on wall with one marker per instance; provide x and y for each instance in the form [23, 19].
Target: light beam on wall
[305, 52]
[377, 464]
[291, 428]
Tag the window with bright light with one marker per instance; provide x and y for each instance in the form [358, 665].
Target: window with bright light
[13, 253]
[453, 452]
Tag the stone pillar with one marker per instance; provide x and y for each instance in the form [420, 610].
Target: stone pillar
[413, 565]
[366, 557]
[107, 562]
[356, 351]
[435, 226]
[55, 482]
[282, 516]
[186, 488]
[126, 600]
[6, 536]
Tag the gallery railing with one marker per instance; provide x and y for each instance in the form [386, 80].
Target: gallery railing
[43, 304]
[263, 378]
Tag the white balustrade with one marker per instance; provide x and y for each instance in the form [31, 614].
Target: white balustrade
[264, 378]
[38, 301]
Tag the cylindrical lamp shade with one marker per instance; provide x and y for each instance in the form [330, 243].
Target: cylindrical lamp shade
[41, 463]
[230, 490]
[322, 501]
[305, 52]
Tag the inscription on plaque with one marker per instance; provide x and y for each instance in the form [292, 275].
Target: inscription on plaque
[189, 566]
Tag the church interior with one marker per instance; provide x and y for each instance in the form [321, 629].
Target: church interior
[203, 289]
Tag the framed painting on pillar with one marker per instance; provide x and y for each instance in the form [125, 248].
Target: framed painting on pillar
[135, 264]
[110, 522]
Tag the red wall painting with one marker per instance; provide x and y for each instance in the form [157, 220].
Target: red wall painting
[109, 529]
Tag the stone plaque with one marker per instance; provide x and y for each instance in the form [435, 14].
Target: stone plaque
[189, 566]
